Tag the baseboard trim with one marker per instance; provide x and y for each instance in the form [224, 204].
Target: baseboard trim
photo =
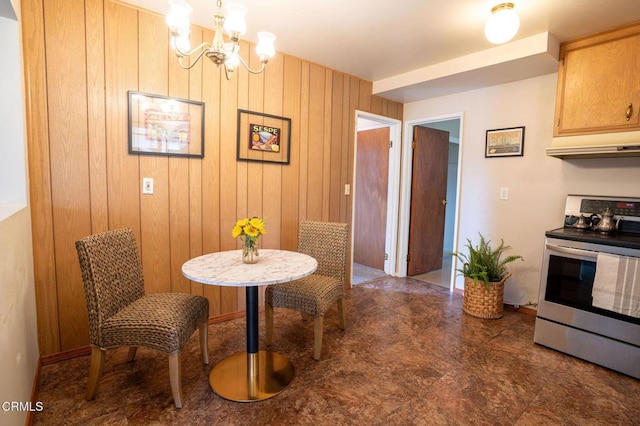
[86, 350]
[34, 393]
[522, 309]
[65, 355]
[230, 316]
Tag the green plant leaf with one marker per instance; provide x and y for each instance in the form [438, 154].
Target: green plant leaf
[483, 263]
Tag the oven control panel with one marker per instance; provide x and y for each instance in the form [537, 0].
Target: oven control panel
[622, 207]
[618, 208]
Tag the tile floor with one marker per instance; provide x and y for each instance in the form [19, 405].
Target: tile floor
[363, 273]
[408, 356]
[440, 277]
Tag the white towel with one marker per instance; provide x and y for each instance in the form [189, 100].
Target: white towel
[616, 286]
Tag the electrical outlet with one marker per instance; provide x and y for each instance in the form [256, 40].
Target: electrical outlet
[147, 185]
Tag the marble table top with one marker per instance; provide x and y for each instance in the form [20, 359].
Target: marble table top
[227, 269]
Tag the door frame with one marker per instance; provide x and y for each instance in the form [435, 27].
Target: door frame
[395, 156]
[405, 191]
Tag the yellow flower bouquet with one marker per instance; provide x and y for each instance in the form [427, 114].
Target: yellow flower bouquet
[249, 230]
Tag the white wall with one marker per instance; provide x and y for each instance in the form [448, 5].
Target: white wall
[13, 191]
[537, 184]
[18, 328]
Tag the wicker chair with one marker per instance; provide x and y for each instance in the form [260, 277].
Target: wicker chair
[314, 295]
[120, 314]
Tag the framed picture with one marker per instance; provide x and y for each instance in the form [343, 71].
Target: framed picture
[159, 125]
[505, 142]
[263, 137]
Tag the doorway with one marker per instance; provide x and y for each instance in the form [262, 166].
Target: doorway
[443, 273]
[376, 179]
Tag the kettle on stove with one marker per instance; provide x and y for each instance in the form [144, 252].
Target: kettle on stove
[606, 223]
[582, 223]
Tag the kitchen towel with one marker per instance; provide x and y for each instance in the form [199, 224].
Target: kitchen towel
[616, 286]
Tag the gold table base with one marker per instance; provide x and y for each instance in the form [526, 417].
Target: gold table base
[245, 377]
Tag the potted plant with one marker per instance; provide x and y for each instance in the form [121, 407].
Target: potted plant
[484, 271]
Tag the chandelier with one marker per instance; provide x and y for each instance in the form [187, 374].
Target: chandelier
[228, 19]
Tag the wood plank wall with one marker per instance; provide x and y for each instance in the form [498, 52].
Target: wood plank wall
[81, 57]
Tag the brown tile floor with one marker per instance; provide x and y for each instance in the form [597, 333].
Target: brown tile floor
[408, 356]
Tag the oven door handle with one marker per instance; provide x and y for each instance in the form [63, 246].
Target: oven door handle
[574, 251]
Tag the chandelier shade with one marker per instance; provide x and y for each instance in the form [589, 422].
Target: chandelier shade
[265, 45]
[503, 24]
[234, 23]
[228, 20]
[178, 17]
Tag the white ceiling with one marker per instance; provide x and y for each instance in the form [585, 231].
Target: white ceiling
[414, 49]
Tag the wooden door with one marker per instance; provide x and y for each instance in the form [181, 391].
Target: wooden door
[428, 199]
[372, 176]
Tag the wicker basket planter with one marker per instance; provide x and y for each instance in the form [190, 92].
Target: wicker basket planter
[484, 301]
[484, 298]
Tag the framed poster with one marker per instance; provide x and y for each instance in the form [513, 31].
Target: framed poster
[159, 125]
[505, 142]
[263, 137]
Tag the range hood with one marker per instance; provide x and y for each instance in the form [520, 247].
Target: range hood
[603, 145]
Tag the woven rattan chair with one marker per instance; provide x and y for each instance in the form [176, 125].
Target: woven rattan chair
[120, 314]
[314, 295]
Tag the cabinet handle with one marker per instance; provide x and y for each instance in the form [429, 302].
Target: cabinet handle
[629, 112]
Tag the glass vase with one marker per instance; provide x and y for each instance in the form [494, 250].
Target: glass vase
[250, 253]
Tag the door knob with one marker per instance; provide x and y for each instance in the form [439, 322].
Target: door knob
[444, 202]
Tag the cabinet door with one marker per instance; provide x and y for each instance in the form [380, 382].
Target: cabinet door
[600, 88]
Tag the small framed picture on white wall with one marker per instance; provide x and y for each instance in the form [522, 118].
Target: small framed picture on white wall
[505, 142]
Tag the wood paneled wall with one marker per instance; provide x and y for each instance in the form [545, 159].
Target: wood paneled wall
[81, 57]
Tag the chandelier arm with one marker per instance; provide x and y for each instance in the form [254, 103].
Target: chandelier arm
[205, 45]
[249, 69]
[193, 63]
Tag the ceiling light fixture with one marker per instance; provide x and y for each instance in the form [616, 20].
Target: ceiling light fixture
[503, 23]
[228, 19]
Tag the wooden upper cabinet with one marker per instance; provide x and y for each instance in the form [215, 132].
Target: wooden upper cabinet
[599, 84]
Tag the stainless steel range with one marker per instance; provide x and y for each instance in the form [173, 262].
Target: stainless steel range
[589, 304]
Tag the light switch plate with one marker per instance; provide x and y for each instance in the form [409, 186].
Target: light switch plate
[504, 193]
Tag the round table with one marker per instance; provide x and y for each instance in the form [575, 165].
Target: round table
[253, 375]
